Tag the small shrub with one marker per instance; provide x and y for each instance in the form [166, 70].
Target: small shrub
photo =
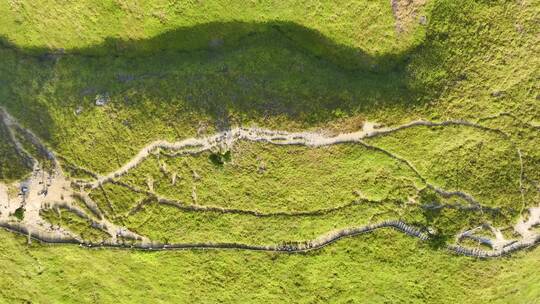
[220, 158]
[19, 213]
[439, 240]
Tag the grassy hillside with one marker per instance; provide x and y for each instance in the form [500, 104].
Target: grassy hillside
[367, 25]
[277, 73]
[383, 267]
[170, 70]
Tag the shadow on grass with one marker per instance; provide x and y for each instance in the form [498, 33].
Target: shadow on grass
[251, 69]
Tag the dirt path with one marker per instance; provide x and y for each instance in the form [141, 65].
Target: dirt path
[43, 189]
[49, 189]
[227, 138]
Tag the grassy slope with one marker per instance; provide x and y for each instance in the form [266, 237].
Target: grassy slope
[296, 178]
[432, 75]
[271, 77]
[380, 268]
[468, 62]
[300, 179]
[74, 223]
[168, 224]
[220, 88]
[49, 24]
[11, 167]
[479, 163]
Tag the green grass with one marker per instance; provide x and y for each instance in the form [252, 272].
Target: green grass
[282, 75]
[171, 225]
[175, 70]
[375, 268]
[299, 179]
[224, 87]
[74, 223]
[116, 201]
[296, 178]
[361, 24]
[12, 166]
[481, 163]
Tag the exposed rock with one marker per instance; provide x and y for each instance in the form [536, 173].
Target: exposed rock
[405, 12]
[261, 168]
[102, 99]
[194, 194]
[125, 77]
[201, 129]
[497, 93]
[215, 42]
[173, 178]
[150, 184]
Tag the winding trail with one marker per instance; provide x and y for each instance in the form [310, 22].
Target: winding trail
[44, 189]
[53, 189]
[310, 139]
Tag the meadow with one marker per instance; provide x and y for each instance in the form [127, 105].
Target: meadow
[99, 80]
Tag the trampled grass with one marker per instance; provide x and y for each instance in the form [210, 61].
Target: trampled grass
[76, 224]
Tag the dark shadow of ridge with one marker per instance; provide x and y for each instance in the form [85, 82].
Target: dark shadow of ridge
[223, 36]
[256, 69]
